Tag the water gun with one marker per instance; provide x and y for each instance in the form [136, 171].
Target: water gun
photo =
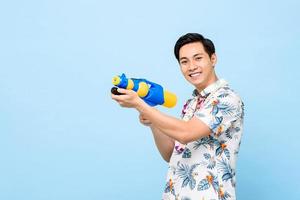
[152, 93]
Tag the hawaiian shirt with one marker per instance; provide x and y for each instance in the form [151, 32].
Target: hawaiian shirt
[205, 169]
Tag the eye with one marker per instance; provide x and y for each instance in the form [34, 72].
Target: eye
[198, 58]
[183, 62]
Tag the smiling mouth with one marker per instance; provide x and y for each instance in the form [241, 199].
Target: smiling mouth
[195, 74]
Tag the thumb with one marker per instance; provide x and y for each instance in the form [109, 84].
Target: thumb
[121, 90]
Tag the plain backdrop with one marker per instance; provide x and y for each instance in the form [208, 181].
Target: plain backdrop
[61, 135]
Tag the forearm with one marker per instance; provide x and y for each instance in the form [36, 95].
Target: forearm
[171, 126]
[164, 143]
[177, 129]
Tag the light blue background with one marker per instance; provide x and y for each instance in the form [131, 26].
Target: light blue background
[62, 137]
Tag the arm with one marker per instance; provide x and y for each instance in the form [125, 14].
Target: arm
[182, 131]
[164, 143]
[177, 129]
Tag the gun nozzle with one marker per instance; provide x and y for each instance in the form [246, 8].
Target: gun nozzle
[170, 99]
[116, 80]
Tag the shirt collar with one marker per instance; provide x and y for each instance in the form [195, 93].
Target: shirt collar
[211, 88]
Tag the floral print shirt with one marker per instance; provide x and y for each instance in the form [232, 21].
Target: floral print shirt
[205, 169]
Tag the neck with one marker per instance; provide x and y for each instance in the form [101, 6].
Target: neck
[208, 82]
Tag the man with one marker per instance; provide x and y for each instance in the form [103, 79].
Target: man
[202, 147]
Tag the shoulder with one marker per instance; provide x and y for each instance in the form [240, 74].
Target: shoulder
[227, 94]
[227, 101]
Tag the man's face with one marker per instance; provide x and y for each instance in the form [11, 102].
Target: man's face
[196, 65]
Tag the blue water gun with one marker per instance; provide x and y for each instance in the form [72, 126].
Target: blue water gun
[152, 93]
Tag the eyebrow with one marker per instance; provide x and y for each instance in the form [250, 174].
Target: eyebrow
[198, 54]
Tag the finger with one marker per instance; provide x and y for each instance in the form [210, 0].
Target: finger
[121, 103]
[117, 97]
[143, 122]
[122, 91]
[126, 92]
[146, 121]
[113, 96]
[142, 116]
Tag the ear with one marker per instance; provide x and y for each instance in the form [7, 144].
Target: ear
[213, 59]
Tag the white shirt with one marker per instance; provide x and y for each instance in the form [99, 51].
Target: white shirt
[205, 169]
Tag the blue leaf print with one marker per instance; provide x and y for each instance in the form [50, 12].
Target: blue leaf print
[192, 183]
[183, 170]
[207, 156]
[203, 185]
[223, 195]
[206, 141]
[235, 152]
[216, 123]
[219, 151]
[227, 153]
[210, 180]
[222, 147]
[185, 182]
[212, 164]
[242, 113]
[215, 185]
[226, 176]
[231, 131]
[228, 134]
[237, 129]
[223, 95]
[226, 108]
[187, 153]
[211, 161]
[169, 187]
[215, 110]
[186, 173]
[225, 169]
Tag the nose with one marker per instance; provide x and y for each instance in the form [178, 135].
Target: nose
[192, 66]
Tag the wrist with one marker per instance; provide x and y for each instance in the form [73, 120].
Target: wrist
[141, 105]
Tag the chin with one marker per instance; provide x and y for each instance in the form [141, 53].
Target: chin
[196, 82]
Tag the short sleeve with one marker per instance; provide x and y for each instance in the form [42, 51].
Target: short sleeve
[221, 111]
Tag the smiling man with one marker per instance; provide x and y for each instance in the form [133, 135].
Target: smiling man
[201, 147]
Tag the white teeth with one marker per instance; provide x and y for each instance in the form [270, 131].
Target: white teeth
[195, 74]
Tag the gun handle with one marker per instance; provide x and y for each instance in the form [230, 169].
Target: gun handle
[114, 90]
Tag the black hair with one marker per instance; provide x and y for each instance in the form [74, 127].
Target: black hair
[191, 38]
